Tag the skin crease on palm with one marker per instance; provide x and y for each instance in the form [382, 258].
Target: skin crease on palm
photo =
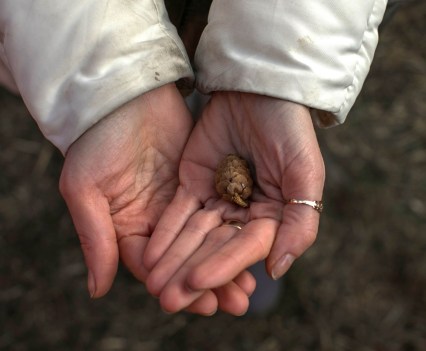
[190, 252]
[119, 177]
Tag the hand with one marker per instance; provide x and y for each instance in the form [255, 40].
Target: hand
[119, 176]
[190, 252]
[117, 180]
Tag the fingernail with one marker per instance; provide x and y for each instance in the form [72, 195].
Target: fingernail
[91, 284]
[282, 266]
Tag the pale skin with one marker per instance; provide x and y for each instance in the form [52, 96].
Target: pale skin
[190, 252]
[120, 176]
[117, 180]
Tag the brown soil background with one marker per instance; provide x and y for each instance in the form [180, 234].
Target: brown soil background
[362, 286]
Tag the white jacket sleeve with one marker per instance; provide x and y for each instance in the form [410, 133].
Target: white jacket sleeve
[74, 62]
[316, 53]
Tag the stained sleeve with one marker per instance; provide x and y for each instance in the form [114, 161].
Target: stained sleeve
[74, 62]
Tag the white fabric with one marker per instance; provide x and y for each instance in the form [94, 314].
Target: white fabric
[316, 53]
[74, 62]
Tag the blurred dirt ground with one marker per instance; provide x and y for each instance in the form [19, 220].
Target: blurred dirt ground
[362, 286]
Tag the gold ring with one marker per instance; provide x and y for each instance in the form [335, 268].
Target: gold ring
[316, 205]
[233, 223]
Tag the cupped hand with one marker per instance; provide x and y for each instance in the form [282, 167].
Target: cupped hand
[191, 252]
[118, 178]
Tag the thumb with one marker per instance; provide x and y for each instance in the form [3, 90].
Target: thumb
[93, 223]
[302, 179]
[300, 221]
[295, 235]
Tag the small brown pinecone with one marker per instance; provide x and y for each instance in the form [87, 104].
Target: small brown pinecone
[233, 180]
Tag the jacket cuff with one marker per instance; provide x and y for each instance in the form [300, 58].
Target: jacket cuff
[314, 53]
[75, 62]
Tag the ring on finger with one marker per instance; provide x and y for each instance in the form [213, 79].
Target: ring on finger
[316, 205]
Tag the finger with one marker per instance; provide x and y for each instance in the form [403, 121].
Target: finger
[205, 305]
[300, 222]
[177, 294]
[235, 300]
[232, 299]
[187, 242]
[189, 250]
[295, 235]
[249, 245]
[95, 229]
[176, 297]
[132, 249]
[246, 281]
[171, 223]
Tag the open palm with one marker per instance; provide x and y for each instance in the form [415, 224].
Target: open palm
[118, 178]
[196, 252]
